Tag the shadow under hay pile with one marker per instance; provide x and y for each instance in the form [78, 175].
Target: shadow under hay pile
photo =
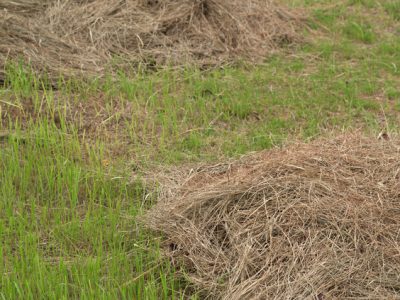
[310, 221]
[85, 36]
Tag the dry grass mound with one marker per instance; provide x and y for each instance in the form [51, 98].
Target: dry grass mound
[311, 221]
[85, 36]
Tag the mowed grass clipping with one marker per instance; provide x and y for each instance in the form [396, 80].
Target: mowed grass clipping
[90, 37]
[308, 221]
[69, 151]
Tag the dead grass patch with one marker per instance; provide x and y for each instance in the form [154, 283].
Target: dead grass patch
[309, 221]
[85, 37]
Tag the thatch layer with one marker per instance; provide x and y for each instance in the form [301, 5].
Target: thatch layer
[86, 36]
[310, 221]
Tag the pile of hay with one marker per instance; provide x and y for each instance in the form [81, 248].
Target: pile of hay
[86, 36]
[311, 221]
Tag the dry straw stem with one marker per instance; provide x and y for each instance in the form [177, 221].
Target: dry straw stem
[87, 36]
[309, 221]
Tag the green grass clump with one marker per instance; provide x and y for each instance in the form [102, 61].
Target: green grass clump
[359, 32]
[393, 9]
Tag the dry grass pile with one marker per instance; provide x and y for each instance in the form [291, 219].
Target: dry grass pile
[310, 221]
[84, 36]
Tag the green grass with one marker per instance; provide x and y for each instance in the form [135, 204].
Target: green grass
[68, 227]
[68, 204]
[359, 32]
[393, 9]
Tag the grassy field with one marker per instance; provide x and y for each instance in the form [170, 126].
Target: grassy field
[69, 205]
